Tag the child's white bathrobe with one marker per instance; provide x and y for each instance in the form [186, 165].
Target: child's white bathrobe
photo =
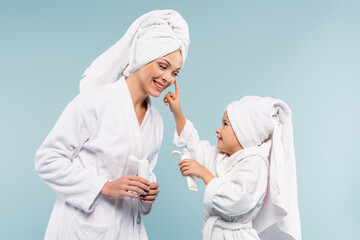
[234, 197]
[88, 146]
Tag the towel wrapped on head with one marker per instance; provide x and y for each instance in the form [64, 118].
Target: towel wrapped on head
[151, 36]
[256, 120]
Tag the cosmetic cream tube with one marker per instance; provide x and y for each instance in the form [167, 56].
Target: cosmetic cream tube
[191, 182]
[143, 169]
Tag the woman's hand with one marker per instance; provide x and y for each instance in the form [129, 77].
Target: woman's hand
[151, 196]
[190, 167]
[126, 186]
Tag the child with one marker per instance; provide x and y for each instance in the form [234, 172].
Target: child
[250, 175]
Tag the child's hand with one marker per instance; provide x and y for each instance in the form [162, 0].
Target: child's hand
[190, 167]
[173, 100]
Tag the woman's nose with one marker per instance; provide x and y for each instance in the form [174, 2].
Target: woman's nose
[167, 76]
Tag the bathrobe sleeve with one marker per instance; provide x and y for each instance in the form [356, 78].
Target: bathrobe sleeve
[200, 150]
[243, 192]
[54, 159]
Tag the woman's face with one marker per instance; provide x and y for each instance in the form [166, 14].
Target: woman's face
[161, 73]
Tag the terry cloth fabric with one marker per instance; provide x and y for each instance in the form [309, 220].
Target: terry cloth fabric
[254, 120]
[151, 36]
[90, 144]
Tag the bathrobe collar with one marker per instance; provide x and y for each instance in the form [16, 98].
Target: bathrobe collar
[135, 139]
[226, 164]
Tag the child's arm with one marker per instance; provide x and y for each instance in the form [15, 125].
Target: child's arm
[186, 135]
[173, 100]
[190, 167]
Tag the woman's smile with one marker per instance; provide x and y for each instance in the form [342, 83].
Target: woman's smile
[159, 86]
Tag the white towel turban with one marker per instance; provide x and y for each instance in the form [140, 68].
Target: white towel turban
[255, 120]
[151, 36]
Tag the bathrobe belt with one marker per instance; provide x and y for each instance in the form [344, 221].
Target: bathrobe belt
[217, 221]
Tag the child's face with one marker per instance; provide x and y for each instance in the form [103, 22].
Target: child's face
[227, 140]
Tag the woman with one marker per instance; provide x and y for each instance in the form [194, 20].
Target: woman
[86, 157]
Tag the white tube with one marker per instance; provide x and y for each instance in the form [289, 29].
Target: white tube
[143, 169]
[191, 182]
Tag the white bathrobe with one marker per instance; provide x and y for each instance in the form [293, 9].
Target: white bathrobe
[88, 146]
[234, 197]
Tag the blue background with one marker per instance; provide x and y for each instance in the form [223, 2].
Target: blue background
[304, 52]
